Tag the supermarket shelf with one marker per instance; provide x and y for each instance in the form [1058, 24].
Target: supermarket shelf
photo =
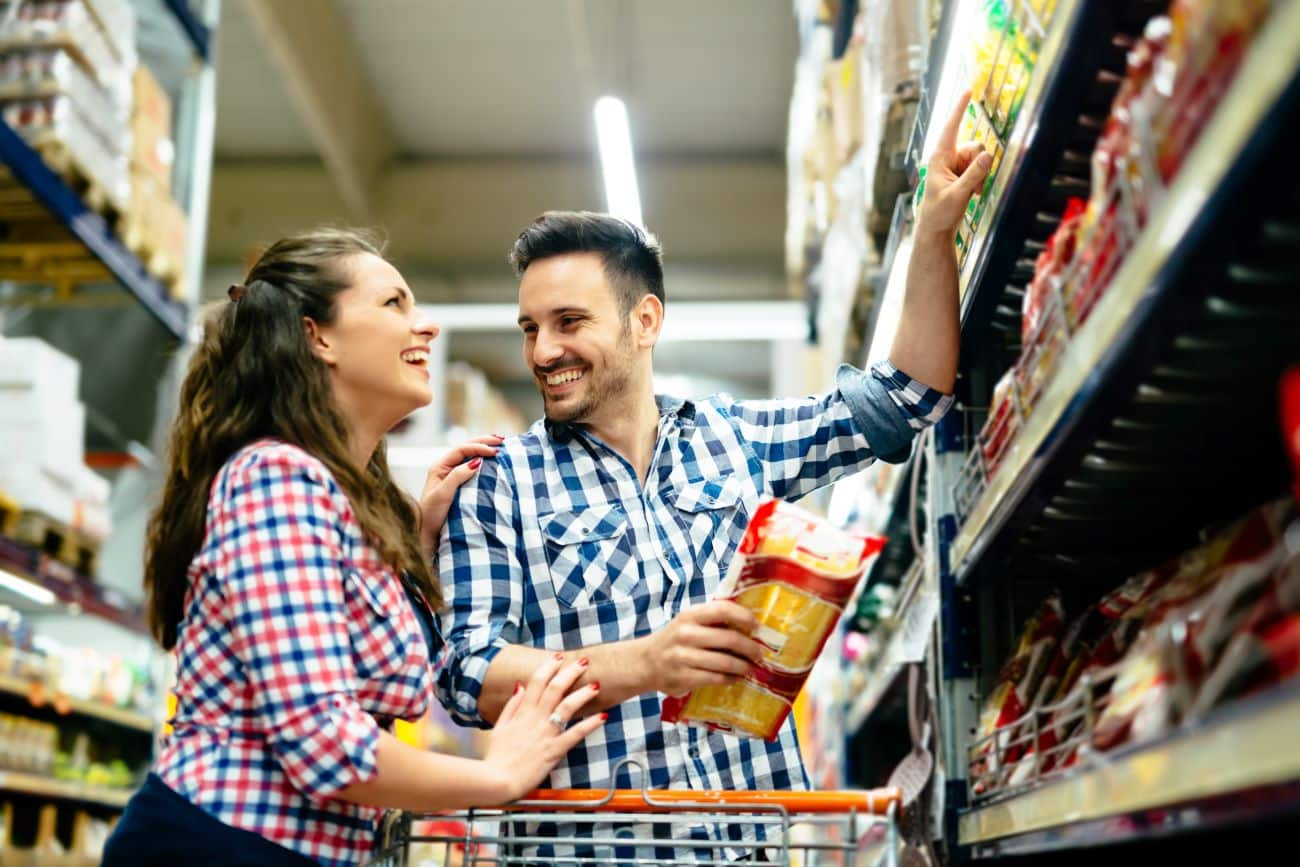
[1144, 282]
[1062, 74]
[46, 787]
[1241, 763]
[90, 229]
[69, 586]
[97, 709]
[199, 34]
[918, 608]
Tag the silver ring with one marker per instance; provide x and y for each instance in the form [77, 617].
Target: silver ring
[556, 720]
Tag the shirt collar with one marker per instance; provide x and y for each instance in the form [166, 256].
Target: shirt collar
[679, 408]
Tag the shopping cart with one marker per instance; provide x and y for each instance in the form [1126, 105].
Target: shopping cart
[617, 827]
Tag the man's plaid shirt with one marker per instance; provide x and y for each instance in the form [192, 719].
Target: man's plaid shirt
[558, 545]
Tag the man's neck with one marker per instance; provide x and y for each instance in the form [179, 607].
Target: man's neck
[632, 430]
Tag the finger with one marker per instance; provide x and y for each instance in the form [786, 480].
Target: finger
[576, 701]
[561, 683]
[511, 708]
[975, 173]
[948, 138]
[541, 677]
[715, 662]
[966, 152]
[457, 455]
[726, 613]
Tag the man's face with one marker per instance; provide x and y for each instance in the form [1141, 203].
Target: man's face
[576, 341]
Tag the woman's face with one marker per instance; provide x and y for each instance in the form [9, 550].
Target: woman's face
[377, 347]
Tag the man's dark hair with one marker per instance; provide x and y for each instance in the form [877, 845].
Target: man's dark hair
[631, 256]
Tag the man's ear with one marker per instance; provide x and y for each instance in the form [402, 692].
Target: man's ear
[317, 342]
[648, 321]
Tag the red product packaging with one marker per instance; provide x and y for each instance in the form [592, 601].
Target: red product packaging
[796, 572]
[1289, 401]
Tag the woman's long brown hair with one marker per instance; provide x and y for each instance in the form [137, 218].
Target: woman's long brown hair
[255, 376]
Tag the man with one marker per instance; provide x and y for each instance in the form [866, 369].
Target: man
[602, 532]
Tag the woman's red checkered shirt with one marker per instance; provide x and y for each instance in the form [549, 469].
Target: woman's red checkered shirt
[295, 638]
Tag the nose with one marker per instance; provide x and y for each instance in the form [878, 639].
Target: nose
[546, 350]
[424, 326]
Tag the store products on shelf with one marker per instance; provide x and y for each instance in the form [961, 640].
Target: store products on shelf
[1172, 73]
[1020, 681]
[65, 79]
[152, 149]
[1289, 403]
[1168, 646]
[28, 745]
[71, 145]
[42, 438]
[795, 572]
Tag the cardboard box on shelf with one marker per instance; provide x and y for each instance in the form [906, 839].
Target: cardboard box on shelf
[152, 149]
[42, 430]
[36, 489]
[31, 364]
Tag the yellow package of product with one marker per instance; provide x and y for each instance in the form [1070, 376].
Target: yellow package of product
[795, 572]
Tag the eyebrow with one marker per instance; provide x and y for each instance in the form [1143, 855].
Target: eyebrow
[556, 311]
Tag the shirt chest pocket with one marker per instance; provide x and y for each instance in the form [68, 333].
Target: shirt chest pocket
[711, 516]
[590, 555]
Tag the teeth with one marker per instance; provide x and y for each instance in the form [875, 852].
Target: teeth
[562, 378]
[415, 356]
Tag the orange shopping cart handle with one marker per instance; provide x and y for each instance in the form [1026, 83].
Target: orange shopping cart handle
[876, 801]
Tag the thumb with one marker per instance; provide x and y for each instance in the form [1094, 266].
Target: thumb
[969, 181]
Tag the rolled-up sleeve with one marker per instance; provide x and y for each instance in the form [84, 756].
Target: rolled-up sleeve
[889, 407]
[482, 572]
[281, 570]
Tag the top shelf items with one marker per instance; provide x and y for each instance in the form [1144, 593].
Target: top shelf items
[87, 139]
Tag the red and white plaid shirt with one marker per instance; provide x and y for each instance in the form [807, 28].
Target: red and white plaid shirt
[296, 638]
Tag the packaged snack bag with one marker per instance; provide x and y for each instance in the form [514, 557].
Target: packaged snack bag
[796, 572]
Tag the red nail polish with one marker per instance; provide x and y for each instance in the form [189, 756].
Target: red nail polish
[604, 716]
[560, 657]
[595, 684]
[584, 662]
[519, 687]
[474, 464]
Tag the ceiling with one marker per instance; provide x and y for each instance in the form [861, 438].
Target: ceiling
[450, 124]
[506, 78]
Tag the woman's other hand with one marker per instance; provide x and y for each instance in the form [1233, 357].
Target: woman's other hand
[452, 470]
[534, 733]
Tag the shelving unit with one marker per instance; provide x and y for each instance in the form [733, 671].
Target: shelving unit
[1152, 274]
[1155, 424]
[99, 710]
[1239, 764]
[58, 215]
[100, 240]
[70, 588]
[58, 790]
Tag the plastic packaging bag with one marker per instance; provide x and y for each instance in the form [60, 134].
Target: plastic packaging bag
[796, 572]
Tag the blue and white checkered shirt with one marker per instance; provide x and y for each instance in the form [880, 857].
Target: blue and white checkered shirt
[557, 545]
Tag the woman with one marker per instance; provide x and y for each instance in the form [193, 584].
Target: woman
[292, 579]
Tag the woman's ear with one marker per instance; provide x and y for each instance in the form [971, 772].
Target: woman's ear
[317, 341]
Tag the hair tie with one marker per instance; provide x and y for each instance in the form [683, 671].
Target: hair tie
[236, 291]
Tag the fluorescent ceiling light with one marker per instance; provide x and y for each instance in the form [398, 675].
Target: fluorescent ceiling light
[622, 198]
[23, 587]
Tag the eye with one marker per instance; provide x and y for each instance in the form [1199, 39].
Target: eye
[395, 301]
[529, 330]
[570, 321]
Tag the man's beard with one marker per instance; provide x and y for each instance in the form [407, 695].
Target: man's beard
[601, 389]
